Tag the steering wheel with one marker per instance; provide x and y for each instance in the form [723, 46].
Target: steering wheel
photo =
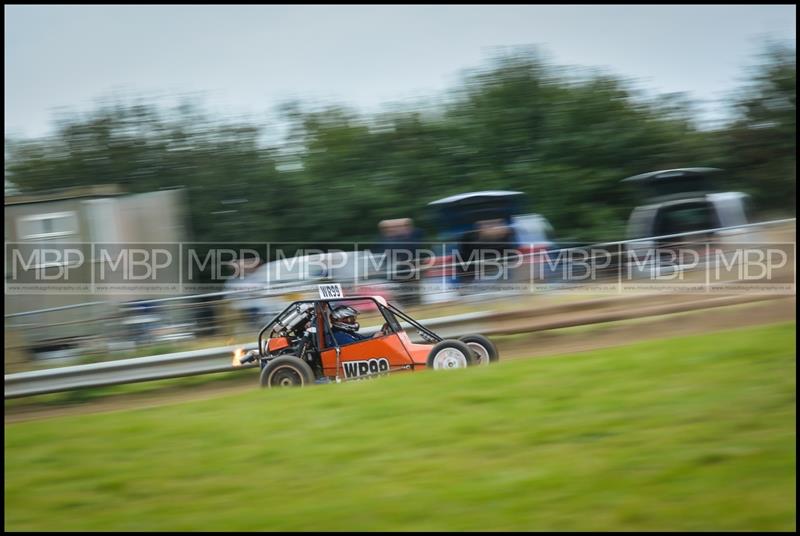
[385, 330]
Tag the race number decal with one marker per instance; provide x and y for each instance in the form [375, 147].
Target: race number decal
[368, 367]
[334, 290]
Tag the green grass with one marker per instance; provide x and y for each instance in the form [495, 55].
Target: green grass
[696, 433]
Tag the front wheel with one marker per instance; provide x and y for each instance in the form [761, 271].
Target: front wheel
[485, 351]
[450, 354]
[286, 371]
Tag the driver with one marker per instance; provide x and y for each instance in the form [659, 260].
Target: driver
[345, 326]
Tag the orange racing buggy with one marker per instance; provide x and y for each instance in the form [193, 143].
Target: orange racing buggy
[297, 347]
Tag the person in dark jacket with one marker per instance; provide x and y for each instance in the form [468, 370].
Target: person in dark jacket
[344, 326]
[401, 242]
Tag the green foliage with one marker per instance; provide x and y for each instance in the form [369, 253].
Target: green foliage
[692, 433]
[518, 123]
[762, 144]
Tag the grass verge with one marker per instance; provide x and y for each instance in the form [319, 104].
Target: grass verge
[692, 433]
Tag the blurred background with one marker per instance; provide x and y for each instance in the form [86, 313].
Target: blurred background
[321, 127]
[249, 153]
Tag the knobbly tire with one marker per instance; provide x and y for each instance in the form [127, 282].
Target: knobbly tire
[485, 351]
[287, 371]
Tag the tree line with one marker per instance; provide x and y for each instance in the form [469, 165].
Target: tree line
[564, 137]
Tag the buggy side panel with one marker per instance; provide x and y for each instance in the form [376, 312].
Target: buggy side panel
[273, 345]
[367, 357]
[418, 352]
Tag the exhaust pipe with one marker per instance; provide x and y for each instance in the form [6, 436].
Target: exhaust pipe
[239, 358]
[248, 357]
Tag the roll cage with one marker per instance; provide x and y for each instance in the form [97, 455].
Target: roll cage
[388, 311]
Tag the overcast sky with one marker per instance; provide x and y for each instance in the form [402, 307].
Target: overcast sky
[246, 59]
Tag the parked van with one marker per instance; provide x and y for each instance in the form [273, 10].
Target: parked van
[681, 201]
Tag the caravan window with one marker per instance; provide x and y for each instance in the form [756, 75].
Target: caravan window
[52, 225]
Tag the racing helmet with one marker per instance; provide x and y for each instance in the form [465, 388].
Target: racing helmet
[344, 317]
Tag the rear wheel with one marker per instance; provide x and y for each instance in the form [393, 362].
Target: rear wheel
[485, 351]
[286, 371]
[450, 354]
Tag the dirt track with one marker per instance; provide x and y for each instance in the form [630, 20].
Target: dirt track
[544, 343]
[620, 333]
